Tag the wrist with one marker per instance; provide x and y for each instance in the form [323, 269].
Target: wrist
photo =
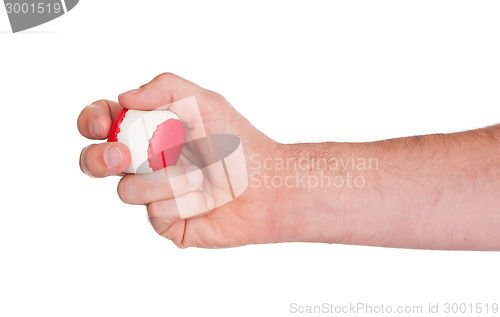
[317, 182]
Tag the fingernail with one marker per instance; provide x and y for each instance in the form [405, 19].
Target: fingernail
[210, 201]
[113, 157]
[96, 127]
[83, 165]
[133, 91]
[194, 175]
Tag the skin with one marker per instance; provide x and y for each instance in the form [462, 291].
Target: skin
[431, 192]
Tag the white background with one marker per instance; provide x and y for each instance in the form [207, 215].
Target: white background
[301, 71]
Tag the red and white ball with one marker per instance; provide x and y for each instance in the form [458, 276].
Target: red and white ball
[154, 138]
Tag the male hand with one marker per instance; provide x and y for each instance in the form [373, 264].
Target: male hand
[256, 216]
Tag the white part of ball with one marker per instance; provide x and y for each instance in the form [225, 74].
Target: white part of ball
[136, 131]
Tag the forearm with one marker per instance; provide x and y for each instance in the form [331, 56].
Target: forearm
[434, 192]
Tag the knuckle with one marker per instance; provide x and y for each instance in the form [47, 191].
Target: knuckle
[157, 226]
[180, 244]
[154, 210]
[216, 97]
[167, 77]
[199, 199]
[124, 191]
[103, 102]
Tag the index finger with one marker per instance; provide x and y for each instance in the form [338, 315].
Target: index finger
[96, 119]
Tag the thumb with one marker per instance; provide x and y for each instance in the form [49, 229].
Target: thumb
[161, 91]
[169, 92]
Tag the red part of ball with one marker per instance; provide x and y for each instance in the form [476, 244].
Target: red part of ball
[166, 144]
[115, 127]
